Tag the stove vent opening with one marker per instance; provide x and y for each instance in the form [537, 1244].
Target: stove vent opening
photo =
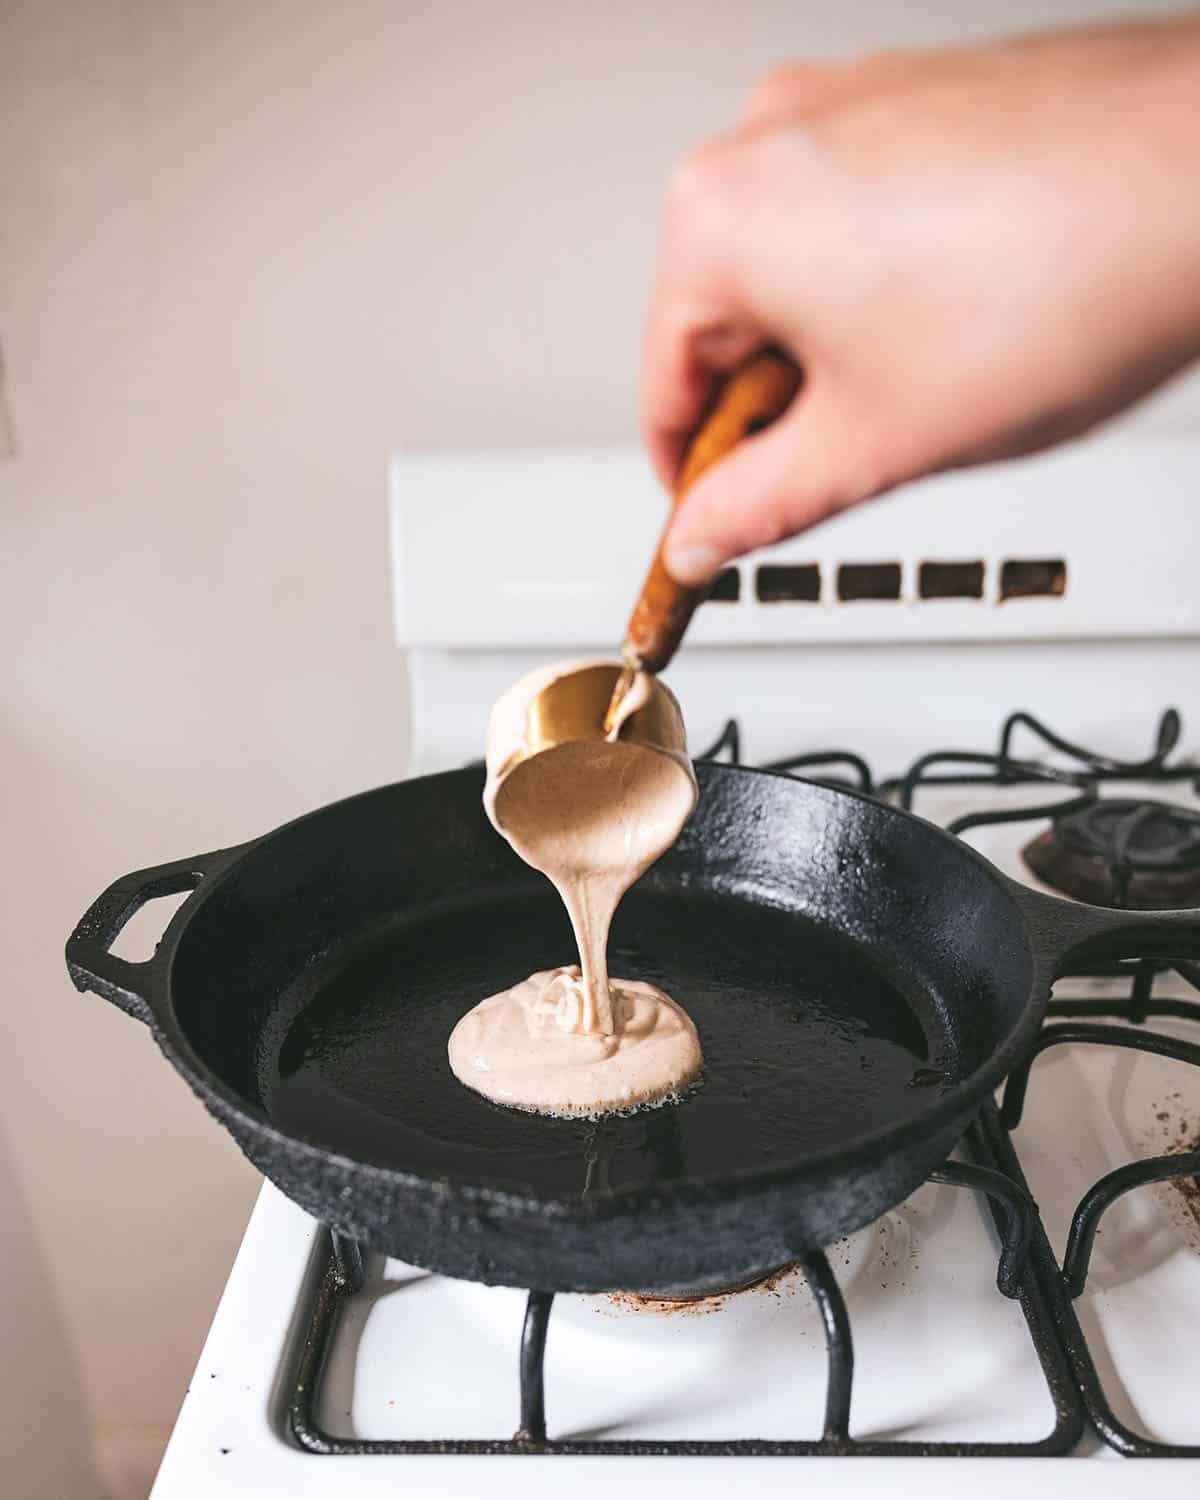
[794, 583]
[1039, 578]
[950, 580]
[868, 581]
[726, 587]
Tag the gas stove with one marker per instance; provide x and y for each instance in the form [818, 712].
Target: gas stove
[1039, 1297]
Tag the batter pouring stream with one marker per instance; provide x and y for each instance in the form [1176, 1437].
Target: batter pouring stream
[592, 815]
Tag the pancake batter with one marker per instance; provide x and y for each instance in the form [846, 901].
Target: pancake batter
[592, 815]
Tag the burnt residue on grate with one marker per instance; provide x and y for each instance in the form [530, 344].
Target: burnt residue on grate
[1123, 852]
[1188, 1188]
[784, 1280]
[1176, 1132]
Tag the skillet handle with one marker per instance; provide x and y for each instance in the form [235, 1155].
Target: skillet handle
[1065, 933]
[131, 986]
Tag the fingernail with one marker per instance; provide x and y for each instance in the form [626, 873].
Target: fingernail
[692, 562]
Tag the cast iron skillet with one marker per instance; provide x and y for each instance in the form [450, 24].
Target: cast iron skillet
[861, 981]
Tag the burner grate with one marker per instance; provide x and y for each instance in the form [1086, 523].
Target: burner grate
[1001, 768]
[1025, 1259]
[1069, 1282]
[1122, 851]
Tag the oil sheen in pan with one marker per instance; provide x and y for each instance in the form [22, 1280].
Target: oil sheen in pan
[806, 1044]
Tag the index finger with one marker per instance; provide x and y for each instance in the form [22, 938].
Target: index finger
[698, 326]
[682, 371]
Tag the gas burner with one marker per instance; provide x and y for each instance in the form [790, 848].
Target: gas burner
[1122, 852]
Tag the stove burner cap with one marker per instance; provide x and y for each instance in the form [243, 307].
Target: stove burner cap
[1122, 852]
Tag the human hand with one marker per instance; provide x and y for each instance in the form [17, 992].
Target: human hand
[971, 254]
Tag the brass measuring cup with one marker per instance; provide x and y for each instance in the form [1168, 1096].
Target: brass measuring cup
[625, 700]
[573, 707]
[553, 772]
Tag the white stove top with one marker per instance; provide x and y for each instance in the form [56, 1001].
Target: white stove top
[426, 1355]
[940, 1354]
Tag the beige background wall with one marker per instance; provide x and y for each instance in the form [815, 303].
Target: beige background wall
[248, 247]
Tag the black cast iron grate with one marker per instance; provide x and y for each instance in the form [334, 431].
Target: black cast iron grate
[1086, 774]
[1025, 1259]
[1027, 1270]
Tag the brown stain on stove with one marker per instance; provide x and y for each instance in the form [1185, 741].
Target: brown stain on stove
[783, 1282]
[1188, 1188]
[1180, 1136]
[889, 1261]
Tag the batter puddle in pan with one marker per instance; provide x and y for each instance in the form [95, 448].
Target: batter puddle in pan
[807, 1045]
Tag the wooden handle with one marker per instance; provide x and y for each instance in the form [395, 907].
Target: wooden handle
[754, 395]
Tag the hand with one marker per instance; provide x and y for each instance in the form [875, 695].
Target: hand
[972, 254]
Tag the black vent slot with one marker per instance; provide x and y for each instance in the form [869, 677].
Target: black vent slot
[950, 580]
[726, 586]
[788, 583]
[1038, 578]
[868, 581]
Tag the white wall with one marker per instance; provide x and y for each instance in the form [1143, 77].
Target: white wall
[248, 247]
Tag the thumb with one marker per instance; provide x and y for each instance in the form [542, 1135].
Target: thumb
[771, 486]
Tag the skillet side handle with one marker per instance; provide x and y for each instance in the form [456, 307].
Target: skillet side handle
[131, 986]
[1067, 933]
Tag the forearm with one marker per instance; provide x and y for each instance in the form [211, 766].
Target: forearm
[1165, 172]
